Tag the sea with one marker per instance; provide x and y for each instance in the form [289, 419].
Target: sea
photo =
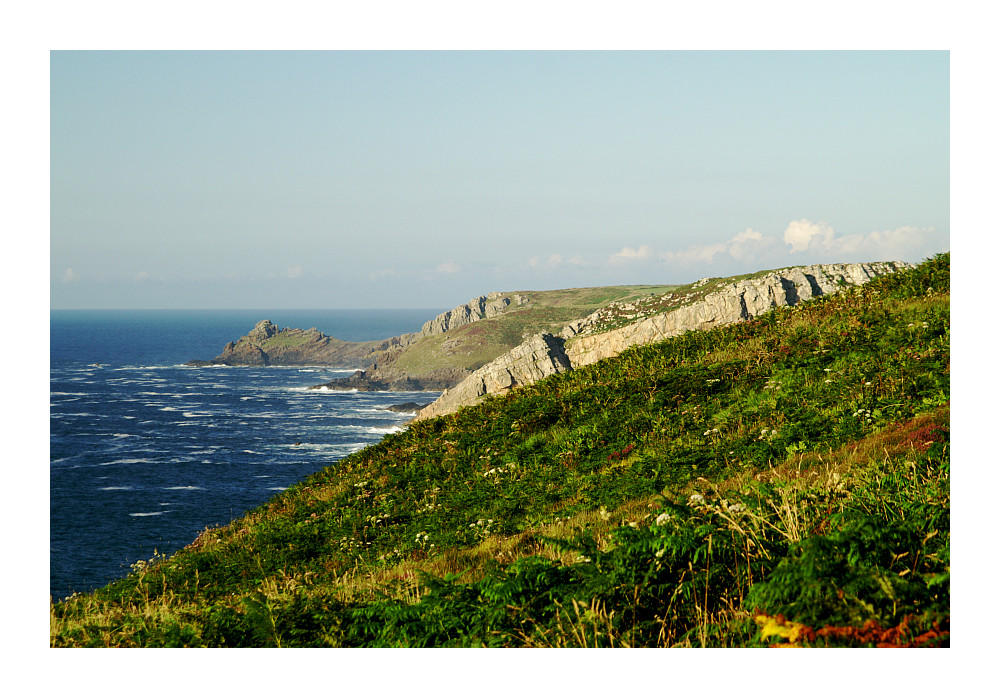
[145, 452]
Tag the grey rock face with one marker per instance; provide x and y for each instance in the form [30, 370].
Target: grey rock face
[263, 330]
[738, 301]
[580, 344]
[480, 308]
[537, 357]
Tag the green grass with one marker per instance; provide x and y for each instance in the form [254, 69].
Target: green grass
[780, 481]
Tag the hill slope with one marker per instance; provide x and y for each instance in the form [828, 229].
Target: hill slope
[778, 481]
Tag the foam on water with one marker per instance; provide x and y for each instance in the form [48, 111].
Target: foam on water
[124, 434]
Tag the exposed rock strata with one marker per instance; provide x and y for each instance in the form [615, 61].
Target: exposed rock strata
[738, 301]
[580, 344]
[481, 308]
[539, 356]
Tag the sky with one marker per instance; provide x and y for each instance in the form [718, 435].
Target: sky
[420, 179]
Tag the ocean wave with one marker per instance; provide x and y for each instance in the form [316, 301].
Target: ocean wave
[148, 513]
[108, 489]
[323, 389]
[383, 430]
[184, 487]
[146, 368]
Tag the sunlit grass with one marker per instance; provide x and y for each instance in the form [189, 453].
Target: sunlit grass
[648, 500]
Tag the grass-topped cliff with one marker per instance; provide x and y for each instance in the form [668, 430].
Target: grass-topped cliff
[780, 481]
[447, 349]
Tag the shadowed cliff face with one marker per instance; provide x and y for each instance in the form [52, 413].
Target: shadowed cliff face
[706, 305]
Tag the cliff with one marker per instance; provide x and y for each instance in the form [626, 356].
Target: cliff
[618, 326]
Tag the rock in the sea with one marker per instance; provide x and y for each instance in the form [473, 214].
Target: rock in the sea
[408, 407]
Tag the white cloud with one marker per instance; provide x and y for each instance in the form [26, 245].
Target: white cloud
[748, 244]
[142, 276]
[295, 271]
[899, 243]
[70, 276]
[447, 267]
[803, 234]
[629, 254]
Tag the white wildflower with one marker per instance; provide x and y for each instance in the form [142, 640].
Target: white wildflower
[662, 519]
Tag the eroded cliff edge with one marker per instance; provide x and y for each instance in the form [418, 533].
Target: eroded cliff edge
[618, 326]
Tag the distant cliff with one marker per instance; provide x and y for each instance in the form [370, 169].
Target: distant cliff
[266, 345]
[612, 329]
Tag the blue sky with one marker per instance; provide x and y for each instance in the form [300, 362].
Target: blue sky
[367, 179]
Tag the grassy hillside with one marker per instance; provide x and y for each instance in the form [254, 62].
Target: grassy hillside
[781, 481]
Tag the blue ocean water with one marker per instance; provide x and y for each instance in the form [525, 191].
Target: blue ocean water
[146, 452]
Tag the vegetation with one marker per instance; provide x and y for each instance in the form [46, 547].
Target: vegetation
[777, 482]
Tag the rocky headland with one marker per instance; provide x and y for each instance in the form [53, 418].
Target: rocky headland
[614, 328]
[499, 341]
[267, 345]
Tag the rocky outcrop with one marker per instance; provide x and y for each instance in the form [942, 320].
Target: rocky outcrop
[371, 380]
[705, 306]
[480, 308]
[266, 345]
[539, 356]
[741, 300]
